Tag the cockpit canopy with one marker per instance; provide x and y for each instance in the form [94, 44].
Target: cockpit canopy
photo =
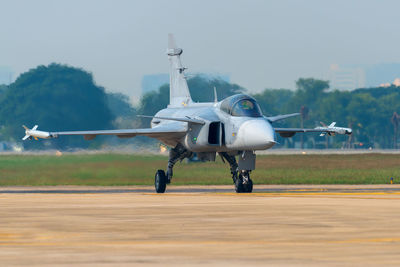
[241, 106]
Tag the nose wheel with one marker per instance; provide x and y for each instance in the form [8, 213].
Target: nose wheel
[243, 183]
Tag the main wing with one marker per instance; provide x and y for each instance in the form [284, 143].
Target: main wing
[168, 131]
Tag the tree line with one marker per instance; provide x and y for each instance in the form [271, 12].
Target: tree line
[368, 111]
[60, 97]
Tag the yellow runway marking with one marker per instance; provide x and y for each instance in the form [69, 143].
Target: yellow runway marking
[352, 195]
[311, 194]
[303, 194]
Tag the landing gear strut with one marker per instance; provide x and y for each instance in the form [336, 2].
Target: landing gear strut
[241, 179]
[232, 162]
[161, 179]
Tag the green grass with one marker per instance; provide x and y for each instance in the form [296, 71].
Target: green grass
[122, 169]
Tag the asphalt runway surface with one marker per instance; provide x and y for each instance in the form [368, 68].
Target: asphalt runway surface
[200, 225]
[197, 189]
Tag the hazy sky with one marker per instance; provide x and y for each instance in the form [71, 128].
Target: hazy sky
[259, 44]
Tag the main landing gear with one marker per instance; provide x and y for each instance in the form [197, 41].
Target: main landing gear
[161, 179]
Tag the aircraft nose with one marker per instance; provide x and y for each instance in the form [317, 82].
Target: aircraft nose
[258, 134]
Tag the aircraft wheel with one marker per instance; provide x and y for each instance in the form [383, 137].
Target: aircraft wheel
[249, 186]
[239, 187]
[160, 181]
[247, 183]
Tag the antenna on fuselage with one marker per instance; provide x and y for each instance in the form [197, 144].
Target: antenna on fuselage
[215, 95]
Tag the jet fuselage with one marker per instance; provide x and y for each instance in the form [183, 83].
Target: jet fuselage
[221, 132]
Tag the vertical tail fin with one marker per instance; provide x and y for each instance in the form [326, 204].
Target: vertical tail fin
[179, 94]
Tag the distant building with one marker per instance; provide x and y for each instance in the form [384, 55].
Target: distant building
[349, 77]
[381, 74]
[396, 83]
[6, 75]
[346, 78]
[153, 82]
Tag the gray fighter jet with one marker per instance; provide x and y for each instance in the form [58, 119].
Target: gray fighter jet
[234, 128]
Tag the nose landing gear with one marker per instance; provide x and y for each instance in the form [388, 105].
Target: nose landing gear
[241, 179]
[243, 183]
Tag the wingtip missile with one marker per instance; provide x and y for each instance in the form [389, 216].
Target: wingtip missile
[33, 133]
[332, 129]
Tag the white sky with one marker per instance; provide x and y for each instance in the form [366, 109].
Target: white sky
[259, 43]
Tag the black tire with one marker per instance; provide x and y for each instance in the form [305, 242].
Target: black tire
[160, 181]
[246, 187]
[249, 186]
[239, 187]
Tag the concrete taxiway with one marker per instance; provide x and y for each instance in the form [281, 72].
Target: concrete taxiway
[200, 225]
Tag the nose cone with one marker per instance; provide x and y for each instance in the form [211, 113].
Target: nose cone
[257, 134]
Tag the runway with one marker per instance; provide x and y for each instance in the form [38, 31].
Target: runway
[198, 189]
[200, 225]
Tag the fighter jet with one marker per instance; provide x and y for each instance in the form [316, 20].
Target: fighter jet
[234, 128]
